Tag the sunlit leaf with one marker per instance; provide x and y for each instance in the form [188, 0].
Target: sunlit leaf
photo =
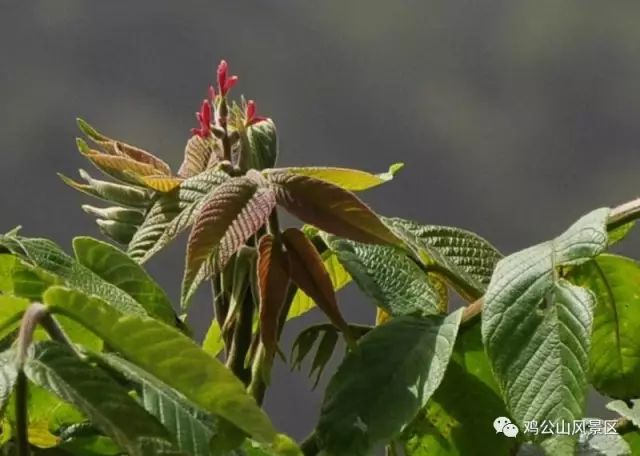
[117, 268]
[199, 155]
[536, 327]
[213, 342]
[349, 179]
[614, 359]
[330, 208]
[160, 183]
[380, 387]
[59, 370]
[168, 355]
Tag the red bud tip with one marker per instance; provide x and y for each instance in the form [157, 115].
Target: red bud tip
[229, 83]
[204, 119]
[225, 83]
[251, 117]
[212, 94]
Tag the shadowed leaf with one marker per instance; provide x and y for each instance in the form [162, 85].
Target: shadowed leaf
[125, 195]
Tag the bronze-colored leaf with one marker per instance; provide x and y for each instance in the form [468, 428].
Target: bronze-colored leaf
[124, 169]
[199, 155]
[310, 275]
[233, 212]
[119, 148]
[330, 208]
[273, 280]
[160, 183]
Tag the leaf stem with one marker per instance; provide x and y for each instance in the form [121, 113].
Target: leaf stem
[242, 340]
[22, 419]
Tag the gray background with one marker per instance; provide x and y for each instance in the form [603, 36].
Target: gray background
[514, 117]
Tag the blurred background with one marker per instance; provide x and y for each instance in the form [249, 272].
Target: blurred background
[513, 117]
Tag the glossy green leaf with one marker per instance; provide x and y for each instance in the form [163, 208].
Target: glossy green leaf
[213, 342]
[190, 427]
[536, 327]
[7, 264]
[614, 360]
[59, 370]
[468, 258]
[172, 213]
[458, 418]
[11, 311]
[349, 179]
[388, 276]
[618, 234]
[339, 276]
[260, 143]
[46, 255]
[117, 268]
[380, 387]
[169, 356]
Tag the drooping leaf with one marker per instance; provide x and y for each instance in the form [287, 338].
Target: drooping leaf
[325, 350]
[469, 259]
[190, 427]
[308, 272]
[117, 268]
[457, 420]
[124, 195]
[349, 179]
[614, 359]
[168, 355]
[199, 155]
[46, 255]
[330, 208]
[121, 168]
[59, 370]
[380, 387]
[273, 281]
[388, 276]
[120, 232]
[231, 214]
[536, 327]
[172, 213]
[339, 276]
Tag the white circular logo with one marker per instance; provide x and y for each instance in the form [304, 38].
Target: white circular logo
[503, 425]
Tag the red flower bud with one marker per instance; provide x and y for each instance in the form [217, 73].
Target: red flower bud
[250, 114]
[225, 83]
[212, 94]
[204, 118]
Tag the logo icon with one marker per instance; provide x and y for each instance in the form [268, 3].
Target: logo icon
[503, 425]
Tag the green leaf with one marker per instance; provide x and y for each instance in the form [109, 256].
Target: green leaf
[614, 360]
[11, 311]
[380, 387]
[8, 377]
[458, 418]
[339, 276]
[7, 264]
[330, 208]
[57, 369]
[213, 342]
[631, 413]
[168, 355]
[349, 179]
[123, 215]
[117, 268]
[123, 195]
[190, 427]
[260, 140]
[230, 216]
[172, 213]
[388, 276]
[46, 255]
[536, 327]
[468, 258]
[618, 234]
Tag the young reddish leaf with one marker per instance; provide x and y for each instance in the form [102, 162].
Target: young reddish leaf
[199, 154]
[309, 273]
[330, 208]
[234, 212]
[118, 148]
[273, 280]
